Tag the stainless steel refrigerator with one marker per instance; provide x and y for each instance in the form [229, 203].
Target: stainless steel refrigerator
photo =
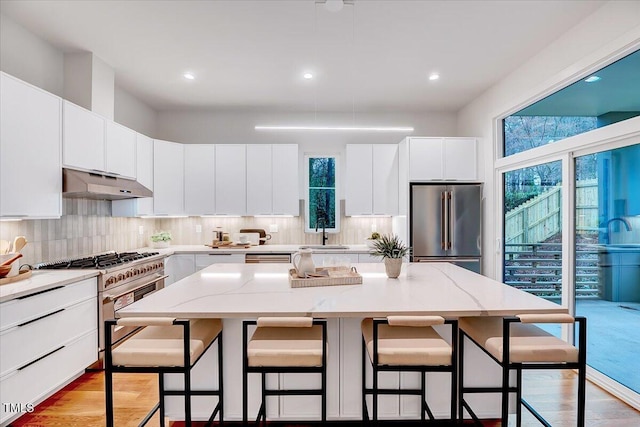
[445, 224]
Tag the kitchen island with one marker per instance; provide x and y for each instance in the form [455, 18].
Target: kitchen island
[234, 292]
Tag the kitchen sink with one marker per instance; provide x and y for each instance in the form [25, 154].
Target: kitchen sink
[324, 247]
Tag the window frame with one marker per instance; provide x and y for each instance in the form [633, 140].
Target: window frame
[308, 228]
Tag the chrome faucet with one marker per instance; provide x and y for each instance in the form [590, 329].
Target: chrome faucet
[626, 223]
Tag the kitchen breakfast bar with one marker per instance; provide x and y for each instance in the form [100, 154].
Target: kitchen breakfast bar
[235, 292]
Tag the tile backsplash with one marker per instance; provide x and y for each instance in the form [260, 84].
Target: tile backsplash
[87, 227]
[353, 230]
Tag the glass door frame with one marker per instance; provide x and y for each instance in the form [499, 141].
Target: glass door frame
[618, 135]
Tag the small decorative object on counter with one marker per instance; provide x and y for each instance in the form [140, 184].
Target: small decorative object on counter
[305, 264]
[161, 239]
[371, 240]
[392, 250]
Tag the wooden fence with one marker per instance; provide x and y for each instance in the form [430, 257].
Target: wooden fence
[541, 217]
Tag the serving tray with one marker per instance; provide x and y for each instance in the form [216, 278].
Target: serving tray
[326, 276]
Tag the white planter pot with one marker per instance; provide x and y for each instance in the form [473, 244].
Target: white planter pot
[393, 266]
[161, 244]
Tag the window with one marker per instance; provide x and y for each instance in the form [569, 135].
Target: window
[607, 96]
[321, 205]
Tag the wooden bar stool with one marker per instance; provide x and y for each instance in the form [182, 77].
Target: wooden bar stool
[407, 344]
[163, 346]
[284, 345]
[516, 344]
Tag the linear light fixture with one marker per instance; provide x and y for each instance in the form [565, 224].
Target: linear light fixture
[338, 128]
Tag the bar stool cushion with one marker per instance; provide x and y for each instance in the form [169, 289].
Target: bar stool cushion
[528, 343]
[285, 346]
[407, 345]
[164, 345]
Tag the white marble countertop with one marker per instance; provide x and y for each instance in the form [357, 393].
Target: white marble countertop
[261, 249]
[41, 280]
[252, 290]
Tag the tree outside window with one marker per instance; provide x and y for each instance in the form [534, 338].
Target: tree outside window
[322, 208]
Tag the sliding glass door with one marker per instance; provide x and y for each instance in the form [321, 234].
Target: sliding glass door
[607, 260]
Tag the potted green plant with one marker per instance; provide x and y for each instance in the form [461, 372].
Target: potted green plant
[371, 240]
[391, 249]
[161, 239]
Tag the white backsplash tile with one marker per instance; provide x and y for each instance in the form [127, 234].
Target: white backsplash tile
[86, 227]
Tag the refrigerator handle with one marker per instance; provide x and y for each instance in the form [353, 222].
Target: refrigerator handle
[449, 226]
[443, 219]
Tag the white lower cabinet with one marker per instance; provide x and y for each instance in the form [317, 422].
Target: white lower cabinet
[205, 260]
[179, 266]
[48, 339]
[334, 259]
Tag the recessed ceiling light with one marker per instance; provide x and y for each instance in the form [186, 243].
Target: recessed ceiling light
[434, 76]
[189, 76]
[307, 76]
[592, 79]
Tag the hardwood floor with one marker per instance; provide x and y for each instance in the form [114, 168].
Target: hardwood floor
[81, 403]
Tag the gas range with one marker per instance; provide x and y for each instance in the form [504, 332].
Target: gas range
[116, 268]
[104, 261]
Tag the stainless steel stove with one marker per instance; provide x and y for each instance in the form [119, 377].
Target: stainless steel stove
[124, 278]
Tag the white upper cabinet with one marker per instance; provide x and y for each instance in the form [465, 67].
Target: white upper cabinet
[199, 179]
[442, 159]
[272, 179]
[93, 143]
[371, 185]
[144, 171]
[230, 179]
[168, 178]
[84, 139]
[120, 150]
[30, 150]
[285, 179]
[259, 179]
[460, 159]
[359, 180]
[385, 179]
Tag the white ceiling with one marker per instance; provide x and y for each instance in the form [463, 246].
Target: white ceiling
[373, 56]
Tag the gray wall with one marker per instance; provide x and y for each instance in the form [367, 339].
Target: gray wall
[28, 57]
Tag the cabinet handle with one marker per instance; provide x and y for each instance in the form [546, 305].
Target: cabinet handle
[41, 317]
[41, 292]
[219, 254]
[40, 358]
[14, 216]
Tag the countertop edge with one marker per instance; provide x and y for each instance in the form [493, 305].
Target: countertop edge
[43, 280]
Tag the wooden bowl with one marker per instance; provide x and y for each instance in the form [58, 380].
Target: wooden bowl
[4, 270]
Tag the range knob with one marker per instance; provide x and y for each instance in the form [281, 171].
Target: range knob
[128, 274]
[136, 271]
[120, 277]
[111, 280]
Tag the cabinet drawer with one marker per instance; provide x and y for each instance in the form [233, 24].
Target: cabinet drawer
[27, 342]
[203, 261]
[29, 307]
[39, 380]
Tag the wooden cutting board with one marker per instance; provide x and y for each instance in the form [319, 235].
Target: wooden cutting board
[23, 275]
